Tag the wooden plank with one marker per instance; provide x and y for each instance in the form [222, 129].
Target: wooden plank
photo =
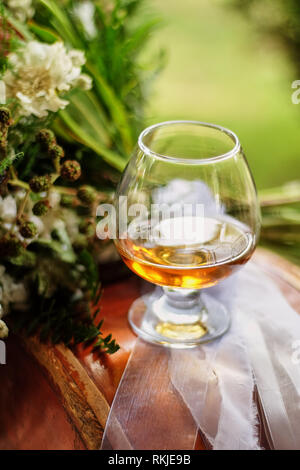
[31, 412]
[85, 404]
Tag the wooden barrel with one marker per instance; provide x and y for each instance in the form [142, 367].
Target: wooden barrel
[52, 397]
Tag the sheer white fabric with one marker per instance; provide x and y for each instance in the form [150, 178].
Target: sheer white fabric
[165, 395]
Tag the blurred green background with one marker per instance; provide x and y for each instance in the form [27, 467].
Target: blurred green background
[220, 69]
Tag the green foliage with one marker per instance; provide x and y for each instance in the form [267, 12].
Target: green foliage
[278, 18]
[91, 271]
[6, 162]
[25, 259]
[108, 118]
[5, 30]
[53, 256]
[64, 294]
[281, 220]
[57, 320]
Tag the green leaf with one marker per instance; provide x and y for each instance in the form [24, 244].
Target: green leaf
[87, 112]
[79, 134]
[91, 270]
[117, 110]
[9, 160]
[26, 258]
[43, 33]
[60, 251]
[138, 38]
[64, 25]
[18, 26]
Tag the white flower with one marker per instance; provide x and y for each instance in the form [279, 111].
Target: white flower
[40, 73]
[3, 330]
[8, 209]
[21, 9]
[2, 92]
[84, 11]
[54, 199]
[19, 195]
[72, 221]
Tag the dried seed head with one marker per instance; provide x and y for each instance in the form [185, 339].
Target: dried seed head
[56, 151]
[28, 229]
[71, 170]
[46, 138]
[5, 116]
[10, 246]
[38, 184]
[41, 207]
[66, 200]
[87, 194]
[80, 243]
[87, 227]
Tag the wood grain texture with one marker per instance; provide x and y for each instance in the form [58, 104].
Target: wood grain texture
[55, 398]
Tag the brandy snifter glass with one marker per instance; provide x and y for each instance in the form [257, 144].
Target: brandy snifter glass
[187, 218]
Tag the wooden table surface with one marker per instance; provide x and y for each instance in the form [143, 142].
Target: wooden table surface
[55, 398]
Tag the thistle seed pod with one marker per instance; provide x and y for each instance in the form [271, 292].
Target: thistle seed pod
[41, 207]
[87, 227]
[10, 246]
[28, 229]
[5, 116]
[56, 151]
[71, 170]
[46, 138]
[87, 194]
[38, 184]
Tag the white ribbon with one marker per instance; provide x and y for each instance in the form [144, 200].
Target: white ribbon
[216, 382]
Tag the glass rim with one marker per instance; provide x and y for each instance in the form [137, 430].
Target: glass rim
[198, 161]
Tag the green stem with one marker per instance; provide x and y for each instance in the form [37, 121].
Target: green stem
[23, 204]
[18, 183]
[286, 194]
[65, 190]
[60, 189]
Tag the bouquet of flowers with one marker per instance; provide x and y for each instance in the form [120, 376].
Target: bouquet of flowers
[72, 94]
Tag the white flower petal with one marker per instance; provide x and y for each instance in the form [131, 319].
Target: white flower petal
[8, 209]
[2, 92]
[22, 9]
[77, 57]
[84, 82]
[41, 72]
[84, 11]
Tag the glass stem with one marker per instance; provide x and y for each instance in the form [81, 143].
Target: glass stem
[179, 306]
[182, 298]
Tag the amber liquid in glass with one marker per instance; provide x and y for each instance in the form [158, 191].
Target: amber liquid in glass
[224, 246]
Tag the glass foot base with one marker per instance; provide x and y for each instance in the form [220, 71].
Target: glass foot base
[155, 321]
